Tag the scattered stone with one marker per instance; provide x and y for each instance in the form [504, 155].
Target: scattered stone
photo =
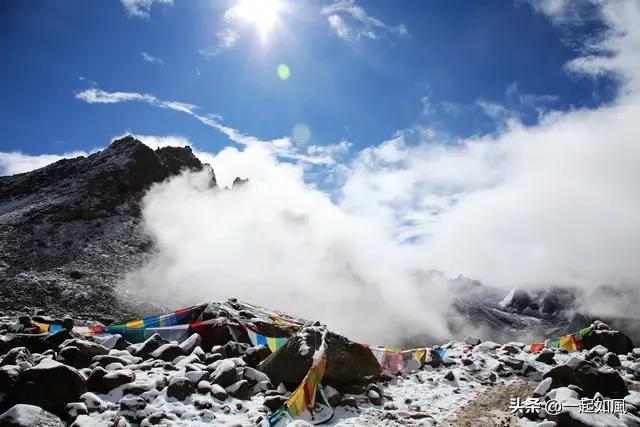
[168, 352]
[102, 381]
[349, 402]
[472, 341]
[50, 385]
[614, 341]
[611, 359]
[589, 377]
[190, 344]
[23, 415]
[332, 395]
[374, 397]
[546, 356]
[225, 374]
[134, 403]
[543, 388]
[449, 376]
[240, 390]
[75, 409]
[347, 362]
[218, 392]
[180, 388]
[274, 402]
[20, 356]
[254, 355]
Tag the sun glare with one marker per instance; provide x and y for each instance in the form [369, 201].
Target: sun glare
[264, 14]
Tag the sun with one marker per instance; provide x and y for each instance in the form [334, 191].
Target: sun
[264, 14]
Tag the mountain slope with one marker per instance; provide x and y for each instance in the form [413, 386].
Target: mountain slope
[70, 230]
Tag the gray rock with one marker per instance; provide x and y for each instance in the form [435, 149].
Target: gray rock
[180, 388]
[51, 386]
[589, 377]
[225, 374]
[218, 392]
[274, 402]
[240, 390]
[168, 352]
[22, 415]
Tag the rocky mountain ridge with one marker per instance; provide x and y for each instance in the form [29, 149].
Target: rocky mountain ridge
[70, 230]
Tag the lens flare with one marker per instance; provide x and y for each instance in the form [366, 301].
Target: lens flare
[301, 134]
[284, 72]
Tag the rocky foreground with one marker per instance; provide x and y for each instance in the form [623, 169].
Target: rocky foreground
[218, 377]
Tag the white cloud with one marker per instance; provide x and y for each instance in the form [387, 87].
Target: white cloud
[552, 203]
[283, 147]
[142, 8]
[15, 162]
[360, 24]
[227, 38]
[338, 25]
[150, 58]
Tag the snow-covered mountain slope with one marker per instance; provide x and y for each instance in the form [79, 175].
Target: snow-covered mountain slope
[69, 231]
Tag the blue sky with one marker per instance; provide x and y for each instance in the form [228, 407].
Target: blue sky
[451, 66]
[496, 140]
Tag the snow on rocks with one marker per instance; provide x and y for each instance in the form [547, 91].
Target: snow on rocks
[50, 385]
[29, 416]
[195, 383]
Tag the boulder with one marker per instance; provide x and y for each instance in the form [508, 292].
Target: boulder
[274, 402]
[374, 397]
[67, 324]
[253, 376]
[634, 369]
[218, 392]
[112, 342]
[50, 385]
[132, 403]
[22, 415]
[180, 388]
[102, 381]
[240, 390]
[611, 359]
[94, 403]
[17, 356]
[225, 374]
[588, 377]
[190, 344]
[144, 349]
[233, 349]
[472, 341]
[9, 375]
[543, 388]
[347, 362]
[546, 356]
[79, 353]
[168, 352]
[254, 355]
[75, 409]
[333, 396]
[614, 341]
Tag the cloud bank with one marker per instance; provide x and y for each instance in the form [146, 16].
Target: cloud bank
[351, 21]
[142, 8]
[553, 203]
[548, 204]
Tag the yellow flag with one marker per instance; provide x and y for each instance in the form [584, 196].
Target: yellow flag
[567, 343]
[134, 324]
[43, 326]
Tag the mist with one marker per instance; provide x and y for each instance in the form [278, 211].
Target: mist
[555, 203]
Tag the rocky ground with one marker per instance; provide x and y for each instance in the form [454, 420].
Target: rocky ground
[218, 377]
